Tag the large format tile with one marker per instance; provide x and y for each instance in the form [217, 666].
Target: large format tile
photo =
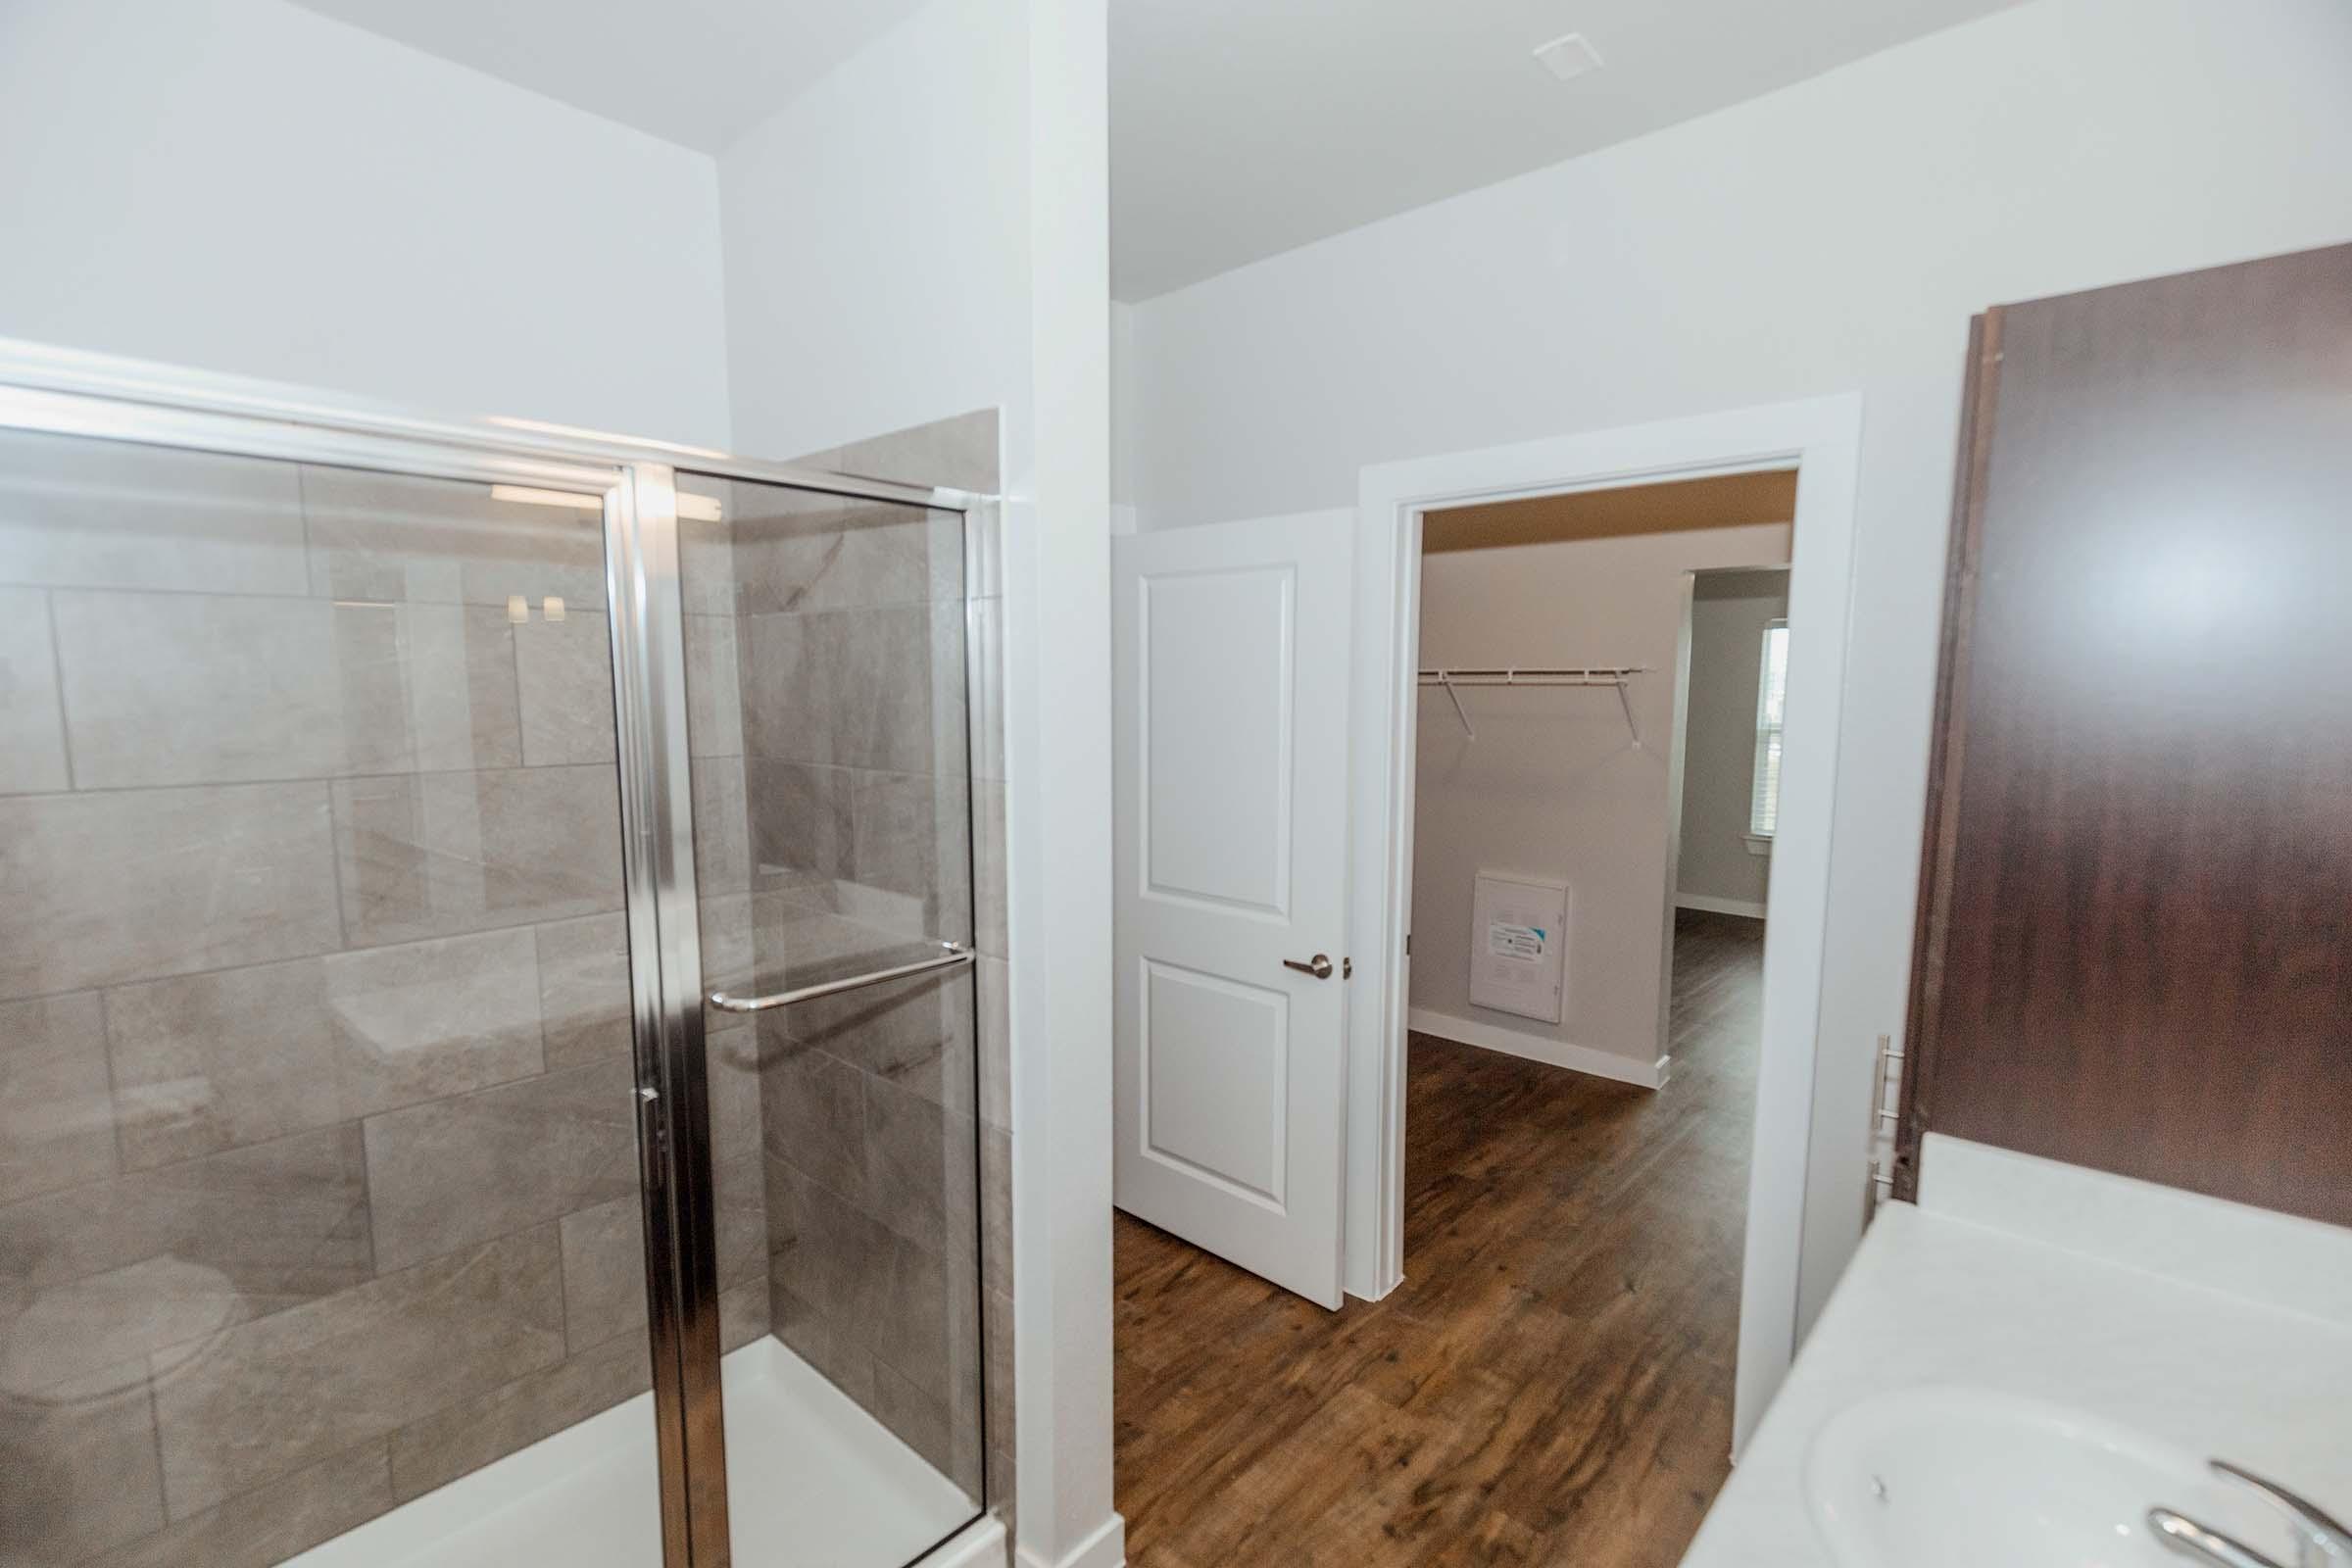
[959, 452]
[79, 1460]
[395, 537]
[914, 1034]
[984, 684]
[894, 713]
[913, 836]
[565, 670]
[453, 1172]
[170, 688]
[442, 853]
[284, 1392]
[705, 548]
[823, 1342]
[112, 887]
[584, 1004]
[738, 1154]
[57, 1112]
[32, 730]
[722, 829]
[889, 1294]
[164, 688]
[854, 556]
[426, 688]
[802, 816]
[745, 1312]
[468, 1436]
[604, 1271]
[814, 1111]
[430, 1019]
[790, 672]
[713, 687]
[879, 688]
[991, 904]
[143, 1262]
[273, 1521]
[211, 1061]
[992, 985]
[98, 513]
[922, 1169]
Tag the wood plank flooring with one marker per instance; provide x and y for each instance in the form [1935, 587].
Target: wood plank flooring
[1552, 1384]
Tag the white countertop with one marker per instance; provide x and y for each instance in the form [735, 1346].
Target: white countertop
[1994, 1301]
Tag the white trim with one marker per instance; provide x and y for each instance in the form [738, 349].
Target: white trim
[1820, 437]
[1711, 905]
[1056, 520]
[1104, 1547]
[1551, 1051]
[980, 1542]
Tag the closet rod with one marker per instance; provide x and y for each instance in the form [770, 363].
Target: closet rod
[1613, 676]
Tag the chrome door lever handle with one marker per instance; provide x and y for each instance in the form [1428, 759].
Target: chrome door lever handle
[1319, 965]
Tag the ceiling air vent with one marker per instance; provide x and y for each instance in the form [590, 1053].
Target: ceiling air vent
[1568, 57]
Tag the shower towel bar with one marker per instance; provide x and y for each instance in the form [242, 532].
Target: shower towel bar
[952, 955]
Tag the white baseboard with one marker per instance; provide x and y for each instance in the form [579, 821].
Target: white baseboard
[1715, 905]
[1104, 1547]
[1535, 1048]
[979, 1545]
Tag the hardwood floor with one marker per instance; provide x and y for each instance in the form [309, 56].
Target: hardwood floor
[1552, 1384]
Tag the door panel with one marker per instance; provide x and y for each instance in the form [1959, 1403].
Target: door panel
[320, 1177]
[826, 705]
[2136, 927]
[1231, 682]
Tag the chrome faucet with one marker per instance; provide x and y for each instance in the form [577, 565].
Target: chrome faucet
[2320, 1541]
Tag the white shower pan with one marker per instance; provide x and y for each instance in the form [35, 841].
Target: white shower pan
[812, 1481]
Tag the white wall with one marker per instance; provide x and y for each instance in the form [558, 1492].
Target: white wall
[926, 231]
[1728, 612]
[242, 185]
[1551, 787]
[1834, 236]
[877, 246]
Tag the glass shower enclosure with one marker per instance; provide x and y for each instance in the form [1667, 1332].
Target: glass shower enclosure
[486, 1005]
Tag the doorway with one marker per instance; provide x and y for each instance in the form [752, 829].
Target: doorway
[1310, 1370]
[1580, 1086]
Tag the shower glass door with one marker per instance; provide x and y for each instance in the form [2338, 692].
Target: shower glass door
[321, 1232]
[825, 698]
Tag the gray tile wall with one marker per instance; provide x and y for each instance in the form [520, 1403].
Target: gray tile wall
[316, 1166]
[869, 755]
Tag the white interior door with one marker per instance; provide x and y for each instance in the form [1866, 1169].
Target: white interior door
[1230, 702]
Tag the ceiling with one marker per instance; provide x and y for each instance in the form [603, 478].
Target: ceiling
[1240, 128]
[1244, 128]
[699, 72]
[1678, 506]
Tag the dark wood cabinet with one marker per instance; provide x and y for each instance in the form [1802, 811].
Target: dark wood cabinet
[2135, 947]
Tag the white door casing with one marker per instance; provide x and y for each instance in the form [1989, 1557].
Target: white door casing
[1231, 704]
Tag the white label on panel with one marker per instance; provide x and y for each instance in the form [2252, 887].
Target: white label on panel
[1517, 932]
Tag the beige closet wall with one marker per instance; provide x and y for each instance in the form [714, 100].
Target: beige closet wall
[1552, 788]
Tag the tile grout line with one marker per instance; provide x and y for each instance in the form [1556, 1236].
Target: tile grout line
[57, 678]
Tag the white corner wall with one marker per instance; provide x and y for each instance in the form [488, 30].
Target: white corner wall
[245, 186]
[1728, 612]
[925, 232]
[877, 239]
[1834, 236]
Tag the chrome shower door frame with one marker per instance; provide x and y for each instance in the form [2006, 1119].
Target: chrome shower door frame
[68, 392]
